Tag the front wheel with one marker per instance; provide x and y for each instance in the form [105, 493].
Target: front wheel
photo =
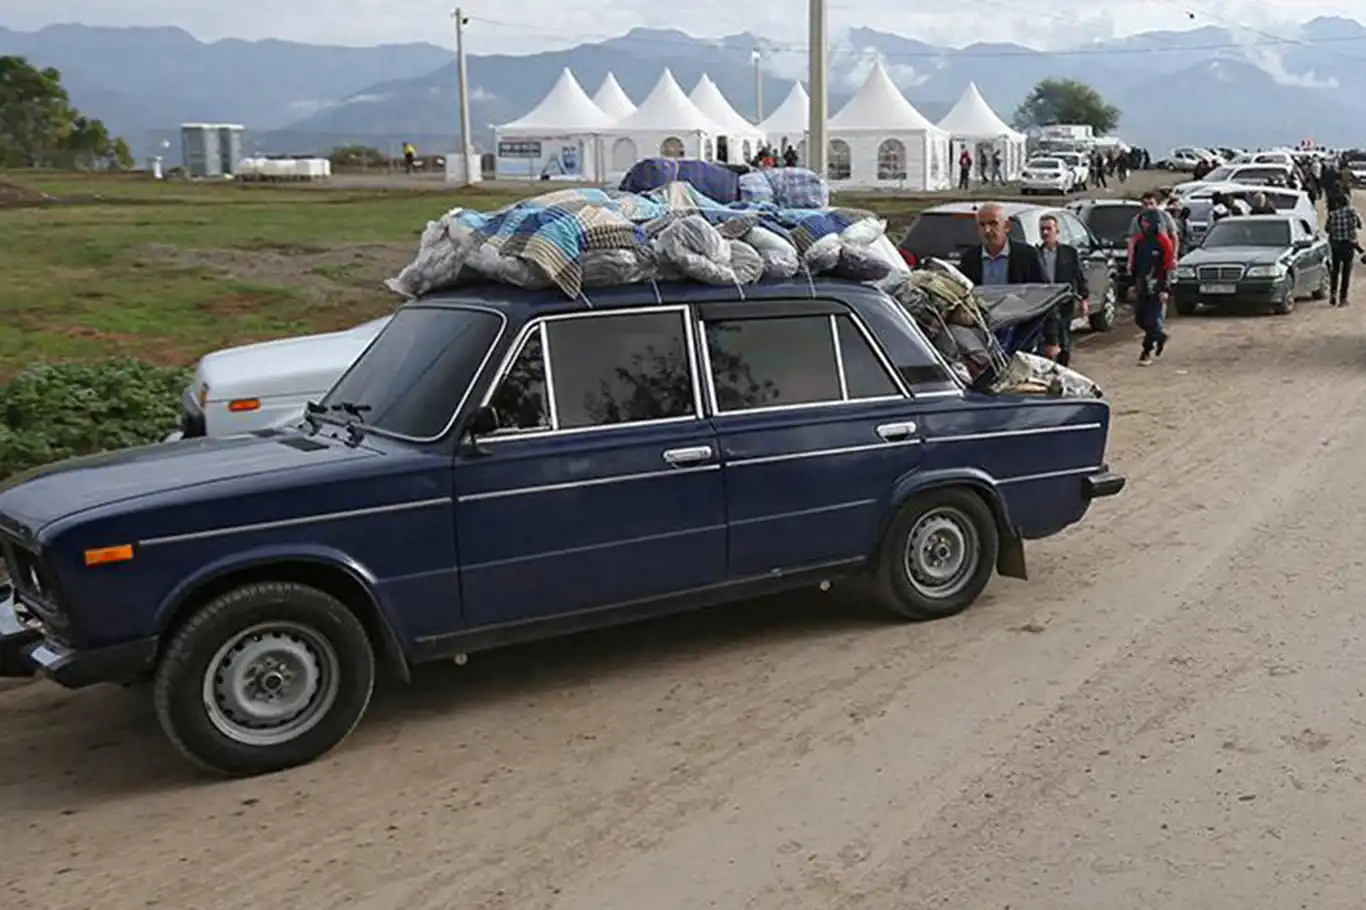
[938, 554]
[265, 677]
[1186, 307]
[1286, 305]
[1325, 285]
[1103, 320]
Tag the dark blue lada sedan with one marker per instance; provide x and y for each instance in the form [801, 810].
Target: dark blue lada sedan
[502, 465]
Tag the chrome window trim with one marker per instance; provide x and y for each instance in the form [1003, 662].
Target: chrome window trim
[839, 357]
[550, 404]
[474, 380]
[540, 324]
[295, 522]
[903, 392]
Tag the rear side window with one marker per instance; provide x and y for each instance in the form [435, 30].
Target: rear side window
[792, 360]
[945, 233]
[596, 371]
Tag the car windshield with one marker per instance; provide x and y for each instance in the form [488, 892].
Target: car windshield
[1111, 222]
[410, 379]
[1248, 232]
[1044, 164]
[1219, 173]
[944, 233]
[1071, 158]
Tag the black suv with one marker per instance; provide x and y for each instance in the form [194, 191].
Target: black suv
[1109, 220]
[945, 231]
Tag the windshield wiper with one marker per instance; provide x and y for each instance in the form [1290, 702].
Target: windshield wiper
[350, 407]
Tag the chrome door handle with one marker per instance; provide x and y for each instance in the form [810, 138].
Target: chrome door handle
[896, 432]
[689, 455]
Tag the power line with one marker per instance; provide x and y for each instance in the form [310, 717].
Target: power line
[966, 53]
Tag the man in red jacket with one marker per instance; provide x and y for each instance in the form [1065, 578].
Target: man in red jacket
[1154, 258]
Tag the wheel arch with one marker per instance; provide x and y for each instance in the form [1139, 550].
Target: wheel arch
[1010, 560]
[332, 573]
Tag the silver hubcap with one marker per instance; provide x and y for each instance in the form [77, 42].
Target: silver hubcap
[941, 553]
[271, 683]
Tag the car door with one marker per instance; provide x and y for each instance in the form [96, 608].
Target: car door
[602, 485]
[815, 428]
[1315, 258]
[1094, 261]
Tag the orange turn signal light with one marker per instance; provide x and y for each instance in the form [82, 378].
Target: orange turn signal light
[105, 555]
[239, 405]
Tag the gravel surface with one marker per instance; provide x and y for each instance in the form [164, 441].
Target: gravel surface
[1168, 714]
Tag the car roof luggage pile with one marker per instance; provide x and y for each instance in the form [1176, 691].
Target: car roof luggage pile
[575, 240]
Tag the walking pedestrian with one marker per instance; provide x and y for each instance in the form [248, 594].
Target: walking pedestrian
[1154, 258]
[1343, 224]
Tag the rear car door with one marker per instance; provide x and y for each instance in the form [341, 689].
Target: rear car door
[1313, 261]
[603, 484]
[815, 428]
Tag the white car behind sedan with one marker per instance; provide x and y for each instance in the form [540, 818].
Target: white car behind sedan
[1047, 175]
[266, 385]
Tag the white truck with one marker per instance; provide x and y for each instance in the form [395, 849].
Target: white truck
[266, 385]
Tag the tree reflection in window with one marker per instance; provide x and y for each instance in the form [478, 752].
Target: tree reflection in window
[620, 369]
[521, 400]
[759, 363]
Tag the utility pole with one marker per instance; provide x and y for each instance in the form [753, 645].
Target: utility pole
[816, 145]
[757, 56]
[466, 146]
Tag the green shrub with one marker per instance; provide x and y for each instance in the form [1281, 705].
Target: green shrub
[54, 411]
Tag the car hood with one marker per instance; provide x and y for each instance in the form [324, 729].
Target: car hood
[1238, 255]
[34, 499]
[289, 366]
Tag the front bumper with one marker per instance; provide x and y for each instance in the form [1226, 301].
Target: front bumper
[1102, 484]
[1247, 292]
[24, 652]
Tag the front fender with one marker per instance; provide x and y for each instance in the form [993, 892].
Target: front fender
[1010, 560]
[329, 557]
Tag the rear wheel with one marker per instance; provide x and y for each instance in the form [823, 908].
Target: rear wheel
[938, 554]
[265, 677]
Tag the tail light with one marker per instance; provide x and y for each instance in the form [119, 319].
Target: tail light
[908, 257]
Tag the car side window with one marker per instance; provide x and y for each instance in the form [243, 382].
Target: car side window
[763, 363]
[599, 370]
[777, 361]
[1080, 236]
[864, 374]
[1305, 231]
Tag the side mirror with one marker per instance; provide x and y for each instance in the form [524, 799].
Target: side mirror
[1303, 243]
[483, 421]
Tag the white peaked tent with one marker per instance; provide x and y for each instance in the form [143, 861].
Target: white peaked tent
[556, 138]
[614, 102]
[880, 139]
[788, 124]
[973, 125]
[665, 124]
[742, 138]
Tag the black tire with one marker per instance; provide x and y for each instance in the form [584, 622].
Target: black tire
[1104, 319]
[969, 521]
[310, 632]
[1286, 305]
[1325, 285]
[1185, 307]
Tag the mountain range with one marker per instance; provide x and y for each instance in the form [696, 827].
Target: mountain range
[1206, 85]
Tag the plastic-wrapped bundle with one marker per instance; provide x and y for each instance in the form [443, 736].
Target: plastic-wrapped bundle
[441, 254]
[745, 262]
[1030, 374]
[696, 250]
[779, 256]
[798, 188]
[754, 187]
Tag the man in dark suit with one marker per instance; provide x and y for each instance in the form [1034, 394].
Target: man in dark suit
[997, 261]
[1062, 265]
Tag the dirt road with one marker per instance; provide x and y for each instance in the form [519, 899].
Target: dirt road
[1169, 714]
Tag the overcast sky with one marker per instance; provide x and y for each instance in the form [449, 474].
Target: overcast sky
[514, 26]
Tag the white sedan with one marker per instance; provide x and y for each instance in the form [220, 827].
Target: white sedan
[1081, 168]
[1047, 175]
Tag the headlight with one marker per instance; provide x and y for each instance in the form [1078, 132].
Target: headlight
[1266, 271]
[1185, 271]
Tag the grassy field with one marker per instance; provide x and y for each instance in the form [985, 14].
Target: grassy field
[166, 271]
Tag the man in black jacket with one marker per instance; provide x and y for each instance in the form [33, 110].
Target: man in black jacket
[1062, 265]
[997, 261]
